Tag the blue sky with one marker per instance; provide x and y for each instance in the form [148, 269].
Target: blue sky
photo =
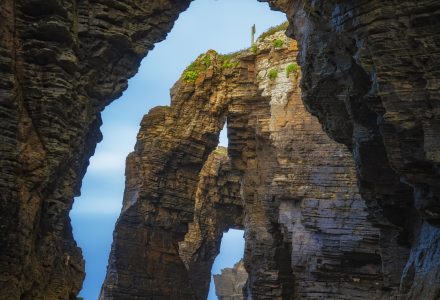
[222, 25]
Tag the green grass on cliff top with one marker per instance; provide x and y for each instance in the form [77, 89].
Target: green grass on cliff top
[273, 30]
[228, 61]
[201, 64]
[204, 61]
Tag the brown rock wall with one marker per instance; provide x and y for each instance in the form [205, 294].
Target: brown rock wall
[307, 229]
[229, 284]
[61, 63]
[370, 77]
[218, 208]
[162, 177]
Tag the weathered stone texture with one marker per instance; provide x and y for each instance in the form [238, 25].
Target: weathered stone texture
[173, 144]
[371, 77]
[307, 231]
[229, 284]
[61, 63]
[218, 208]
[292, 187]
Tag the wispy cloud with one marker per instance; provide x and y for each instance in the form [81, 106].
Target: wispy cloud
[104, 162]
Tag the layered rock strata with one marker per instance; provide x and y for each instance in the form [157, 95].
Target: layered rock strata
[218, 208]
[61, 63]
[307, 231]
[161, 182]
[371, 77]
[229, 284]
[306, 226]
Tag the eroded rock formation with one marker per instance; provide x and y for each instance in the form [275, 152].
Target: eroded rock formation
[217, 209]
[173, 144]
[288, 184]
[229, 284]
[61, 63]
[370, 75]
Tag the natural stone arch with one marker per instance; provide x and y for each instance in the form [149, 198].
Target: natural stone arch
[91, 48]
[218, 207]
[301, 206]
[173, 144]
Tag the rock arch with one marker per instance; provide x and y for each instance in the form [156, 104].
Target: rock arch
[291, 188]
[369, 74]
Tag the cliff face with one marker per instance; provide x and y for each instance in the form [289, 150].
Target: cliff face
[229, 284]
[61, 63]
[218, 207]
[307, 231]
[370, 77]
[161, 183]
[287, 183]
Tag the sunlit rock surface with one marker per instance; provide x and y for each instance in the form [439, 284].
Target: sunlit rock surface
[285, 182]
[229, 284]
[370, 75]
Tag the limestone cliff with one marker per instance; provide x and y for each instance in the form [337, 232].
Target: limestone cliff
[291, 187]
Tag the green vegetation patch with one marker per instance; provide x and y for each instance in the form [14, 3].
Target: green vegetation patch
[278, 43]
[254, 48]
[272, 74]
[230, 64]
[211, 58]
[207, 60]
[273, 30]
[291, 68]
[229, 61]
[201, 64]
[190, 76]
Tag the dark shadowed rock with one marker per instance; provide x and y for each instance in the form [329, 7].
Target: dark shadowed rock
[61, 63]
[370, 77]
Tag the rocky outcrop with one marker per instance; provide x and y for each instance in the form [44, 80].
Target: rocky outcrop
[218, 208]
[307, 230]
[161, 183]
[61, 63]
[229, 284]
[370, 77]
